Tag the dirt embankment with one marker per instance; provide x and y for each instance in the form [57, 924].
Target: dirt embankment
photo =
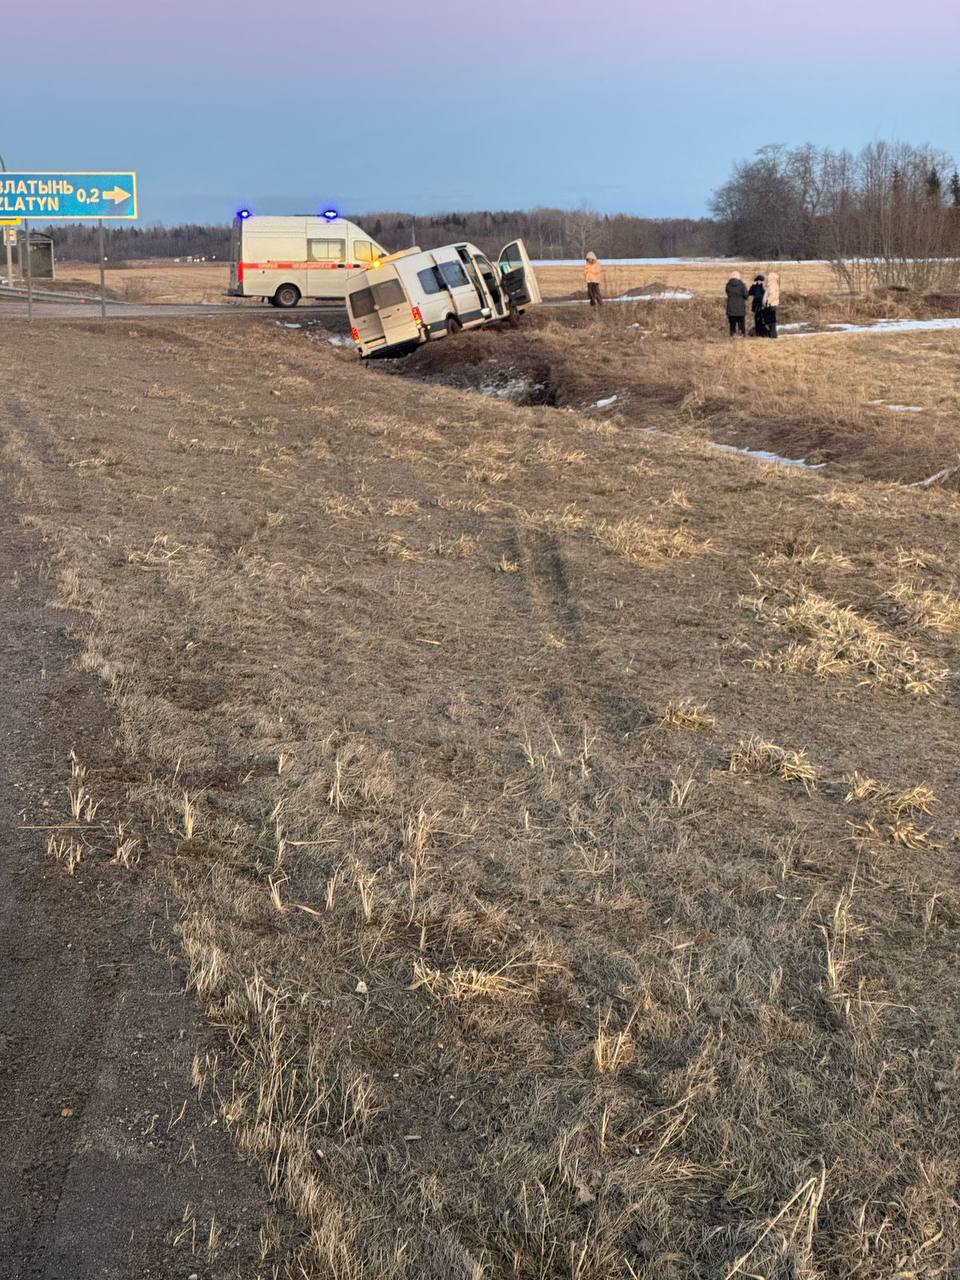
[562, 818]
[879, 407]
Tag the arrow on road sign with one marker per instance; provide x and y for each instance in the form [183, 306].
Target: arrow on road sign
[117, 194]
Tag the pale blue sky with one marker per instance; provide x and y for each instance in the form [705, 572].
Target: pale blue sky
[439, 104]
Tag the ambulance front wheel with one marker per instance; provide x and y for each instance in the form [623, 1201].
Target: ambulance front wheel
[288, 295]
[513, 318]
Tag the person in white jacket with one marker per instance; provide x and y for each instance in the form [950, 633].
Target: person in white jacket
[771, 301]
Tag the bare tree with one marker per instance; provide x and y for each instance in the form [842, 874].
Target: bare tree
[580, 231]
[880, 217]
[886, 223]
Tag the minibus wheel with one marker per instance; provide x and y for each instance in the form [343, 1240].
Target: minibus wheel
[454, 326]
[513, 318]
[288, 295]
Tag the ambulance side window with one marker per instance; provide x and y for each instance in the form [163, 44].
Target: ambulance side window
[326, 250]
[364, 251]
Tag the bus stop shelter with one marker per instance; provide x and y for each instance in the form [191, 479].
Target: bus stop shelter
[41, 256]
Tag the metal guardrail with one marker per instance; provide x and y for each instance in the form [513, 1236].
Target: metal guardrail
[53, 295]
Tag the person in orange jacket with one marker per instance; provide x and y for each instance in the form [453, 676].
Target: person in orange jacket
[593, 274]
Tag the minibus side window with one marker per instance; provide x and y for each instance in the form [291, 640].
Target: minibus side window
[361, 303]
[326, 250]
[430, 280]
[453, 274]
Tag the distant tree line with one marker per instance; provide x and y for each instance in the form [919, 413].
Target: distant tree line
[77, 242]
[888, 215]
[549, 233]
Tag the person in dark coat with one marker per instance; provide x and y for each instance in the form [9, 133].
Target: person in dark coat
[737, 305]
[755, 293]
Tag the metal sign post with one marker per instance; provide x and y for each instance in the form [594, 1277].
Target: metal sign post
[9, 239]
[26, 250]
[103, 276]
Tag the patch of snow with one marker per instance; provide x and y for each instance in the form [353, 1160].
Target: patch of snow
[887, 326]
[603, 404]
[517, 390]
[793, 328]
[666, 295]
[673, 262]
[764, 455]
[937, 476]
[339, 340]
[906, 408]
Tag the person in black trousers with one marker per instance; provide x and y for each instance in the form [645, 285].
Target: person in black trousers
[756, 292]
[737, 305]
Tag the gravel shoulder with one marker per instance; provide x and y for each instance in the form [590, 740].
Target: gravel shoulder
[105, 1155]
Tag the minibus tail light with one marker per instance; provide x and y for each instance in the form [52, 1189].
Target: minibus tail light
[355, 334]
[417, 315]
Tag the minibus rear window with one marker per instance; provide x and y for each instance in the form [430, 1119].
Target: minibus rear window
[387, 294]
[361, 303]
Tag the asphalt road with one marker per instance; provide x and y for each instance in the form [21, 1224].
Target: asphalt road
[63, 309]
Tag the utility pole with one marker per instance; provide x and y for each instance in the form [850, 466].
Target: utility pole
[103, 282]
[7, 238]
[26, 237]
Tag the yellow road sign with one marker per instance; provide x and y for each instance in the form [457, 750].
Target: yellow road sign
[11, 222]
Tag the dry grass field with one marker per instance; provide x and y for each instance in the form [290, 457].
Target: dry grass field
[206, 282]
[561, 816]
[700, 278]
[155, 282]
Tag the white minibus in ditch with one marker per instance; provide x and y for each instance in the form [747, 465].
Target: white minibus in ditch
[414, 296]
[282, 260]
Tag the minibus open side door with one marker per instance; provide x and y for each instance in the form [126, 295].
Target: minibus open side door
[519, 278]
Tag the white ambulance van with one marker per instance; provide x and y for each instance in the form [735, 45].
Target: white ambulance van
[282, 260]
[412, 297]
